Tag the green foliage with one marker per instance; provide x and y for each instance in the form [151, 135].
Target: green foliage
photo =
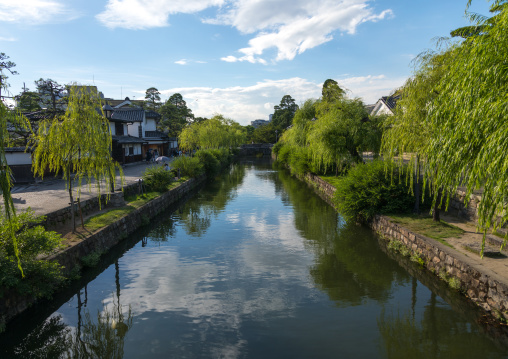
[175, 115]
[79, 143]
[32, 238]
[91, 260]
[40, 280]
[156, 178]
[41, 277]
[217, 132]
[189, 166]
[366, 191]
[265, 134]
[210, 162]
[284, 113]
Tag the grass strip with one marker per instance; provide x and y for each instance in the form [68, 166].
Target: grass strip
[427, 227]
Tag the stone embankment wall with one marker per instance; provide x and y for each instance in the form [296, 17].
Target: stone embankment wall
[12, 304]
[62, 216]
[488, 291]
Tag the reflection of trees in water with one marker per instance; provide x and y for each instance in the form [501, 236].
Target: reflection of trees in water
[439, 334]
[103, 337]
[48, 340]
[349, 264]
[196, 215]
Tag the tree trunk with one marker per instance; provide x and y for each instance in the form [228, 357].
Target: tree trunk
[435, 210]
[416, 209]
[72, 204]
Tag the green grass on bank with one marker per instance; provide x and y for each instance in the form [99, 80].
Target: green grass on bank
[133, 202]
[426, 226]
[334, 181]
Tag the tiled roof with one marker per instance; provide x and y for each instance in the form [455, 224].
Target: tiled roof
[16, 149]
[152, 114]
[127, 139]
[43, 114]
[156, 134]
[128, 115]
[390, 101]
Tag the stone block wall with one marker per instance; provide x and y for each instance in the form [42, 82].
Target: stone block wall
[486, 290]
[321, 185]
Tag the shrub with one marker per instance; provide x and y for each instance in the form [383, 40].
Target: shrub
[156, 178]
[284, 153]
[368, 189]
[209, 161]
[41, 276]
[299, 160]
[189, 166]
[222, 154]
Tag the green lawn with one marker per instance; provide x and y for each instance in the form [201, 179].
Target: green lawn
[424, 225]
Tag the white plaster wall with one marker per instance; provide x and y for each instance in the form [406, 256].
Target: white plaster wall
[150, 125]
[18, 158]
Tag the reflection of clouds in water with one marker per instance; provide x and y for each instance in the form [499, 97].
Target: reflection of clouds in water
[233, 217]
[252, 186]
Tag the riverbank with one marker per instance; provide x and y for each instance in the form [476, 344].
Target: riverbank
[100, 240]
[483, 281]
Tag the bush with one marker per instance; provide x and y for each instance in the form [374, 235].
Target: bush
[189, 166]
[209, 161]
[41, 276]
[222, 155]
[368, 189]
[156, 178]
[299, 160]
[284, 153]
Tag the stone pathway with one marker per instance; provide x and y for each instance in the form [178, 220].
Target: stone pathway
[51, 194]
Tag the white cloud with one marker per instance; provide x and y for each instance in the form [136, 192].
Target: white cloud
[144, 14]
[8, 39]
[247, 103]
[185, 62]
[244, 104]
[34, 11]
[293, 26]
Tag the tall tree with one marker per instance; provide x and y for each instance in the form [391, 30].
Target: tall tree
[7, 120]
[336, 137]
[175, 115]
[28, 101]
[470, 123]
[50, 92]
[409, 130]
[332, 91]
[153, 99]
[79, 143]
[5, 65]
[217, 132]
[284, 113]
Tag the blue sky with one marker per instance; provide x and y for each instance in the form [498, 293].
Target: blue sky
[234, 57]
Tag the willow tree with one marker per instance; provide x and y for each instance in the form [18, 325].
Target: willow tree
[78, 145]
[336, 137]
[469, 115]
[217, 132]
[409, 130]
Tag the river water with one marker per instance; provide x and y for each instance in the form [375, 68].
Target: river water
[254, 265]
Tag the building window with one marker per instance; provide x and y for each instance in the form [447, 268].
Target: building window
[131, 151]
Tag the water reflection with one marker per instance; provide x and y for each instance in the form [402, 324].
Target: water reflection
[275, 273]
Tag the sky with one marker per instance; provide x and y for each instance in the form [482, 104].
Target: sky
[237, 58]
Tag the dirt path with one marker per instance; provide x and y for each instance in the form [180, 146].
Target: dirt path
[494, 260]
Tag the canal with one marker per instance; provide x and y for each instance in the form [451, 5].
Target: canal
[253, 265]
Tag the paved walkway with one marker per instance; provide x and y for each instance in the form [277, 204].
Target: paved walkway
[51, 194]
